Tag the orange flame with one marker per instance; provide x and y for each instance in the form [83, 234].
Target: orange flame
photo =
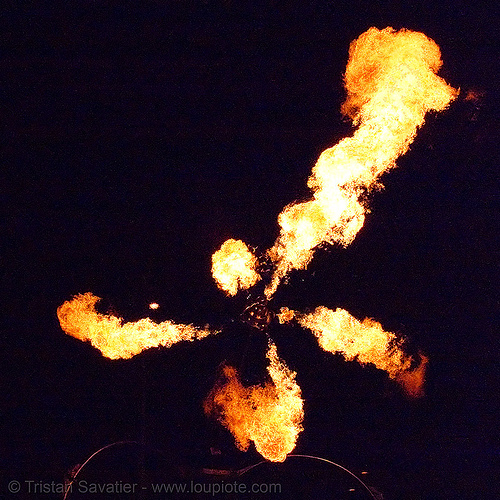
[114, 338]
[367, 342]
[391, 84]
[269, 415]
[285, 315]
[233, 267]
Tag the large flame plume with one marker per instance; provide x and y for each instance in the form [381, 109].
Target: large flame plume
[364, 341]
[114, 338]
[233, 267]
[270, 415]
[391, 84]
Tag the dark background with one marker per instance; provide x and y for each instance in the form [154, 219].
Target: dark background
[138, 136]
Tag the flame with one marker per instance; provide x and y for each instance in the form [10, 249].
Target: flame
[233, 267]
[114, 338]
[154, 305]
[391, 84]
[285, 315]
[270, 415]
[367, 342]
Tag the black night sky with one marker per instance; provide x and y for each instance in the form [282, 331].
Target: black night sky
[135, 138]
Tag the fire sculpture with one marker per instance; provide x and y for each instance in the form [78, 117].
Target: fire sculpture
[391, 84]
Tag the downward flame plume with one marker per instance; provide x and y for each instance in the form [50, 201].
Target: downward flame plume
[114, 338]
[270, 415]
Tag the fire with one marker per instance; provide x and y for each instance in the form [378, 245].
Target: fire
[285, 315]
[391, 84]
[270, 415]
[367, 342]
[233, 267]
[114, 338]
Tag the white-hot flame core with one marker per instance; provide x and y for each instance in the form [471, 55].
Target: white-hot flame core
[391, 83]
[233, 267]
[270, 415]
[114, 338]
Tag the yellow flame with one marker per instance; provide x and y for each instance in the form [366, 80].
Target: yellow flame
[391, 84]
[233, 267]
[270, 415]
[114, 338]
[367, 342]
[154, 305]
[285, 315]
